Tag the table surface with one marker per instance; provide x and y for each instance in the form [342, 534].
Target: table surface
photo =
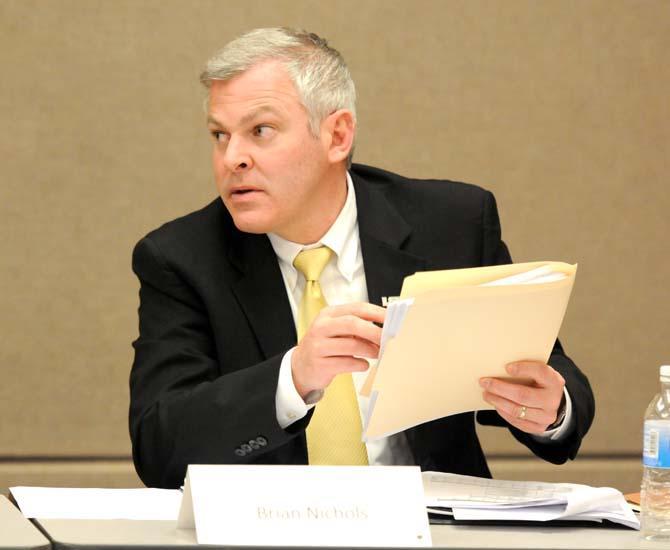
[117, 534]
[16, 531]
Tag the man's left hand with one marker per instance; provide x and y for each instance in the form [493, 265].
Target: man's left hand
[529, 408]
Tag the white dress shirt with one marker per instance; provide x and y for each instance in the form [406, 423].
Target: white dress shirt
[343, 281]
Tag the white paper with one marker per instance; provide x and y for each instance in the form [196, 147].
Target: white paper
[538, 275]
[346, 506]
[453, 490]
[70, 503]
[474, 498]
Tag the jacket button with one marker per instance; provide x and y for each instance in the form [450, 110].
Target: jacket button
[254, 444]
[261, 441]
[246, 448]
[240, 452]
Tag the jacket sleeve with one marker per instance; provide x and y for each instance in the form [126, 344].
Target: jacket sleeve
[185, 406]
[495, 252]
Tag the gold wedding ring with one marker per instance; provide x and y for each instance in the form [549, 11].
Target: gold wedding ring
[522, 413]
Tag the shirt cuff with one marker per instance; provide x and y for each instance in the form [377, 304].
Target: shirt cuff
[561, 431]
[289, 405]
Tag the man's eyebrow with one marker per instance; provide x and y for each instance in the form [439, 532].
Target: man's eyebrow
[263, 109]
[249, 116]
[212, 120]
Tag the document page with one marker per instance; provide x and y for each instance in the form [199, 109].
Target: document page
[71, 503]
[475, 498]
[453, 490]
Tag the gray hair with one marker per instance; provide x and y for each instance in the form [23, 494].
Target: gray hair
[318, 71]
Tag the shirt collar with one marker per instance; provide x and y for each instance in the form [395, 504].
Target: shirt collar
[341, 238]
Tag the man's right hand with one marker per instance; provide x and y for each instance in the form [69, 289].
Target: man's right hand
[336, 342]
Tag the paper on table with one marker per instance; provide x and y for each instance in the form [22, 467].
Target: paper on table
[475, 498]
[457, 331]
[617, 513]
[455, 490]
[71, 503]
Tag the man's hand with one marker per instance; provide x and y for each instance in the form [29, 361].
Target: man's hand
[337, 340]
[529, 408]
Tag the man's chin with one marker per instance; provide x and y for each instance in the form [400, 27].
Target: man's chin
[249, 220]
[252, 224]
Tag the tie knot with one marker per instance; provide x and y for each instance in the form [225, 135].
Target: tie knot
[311, 262]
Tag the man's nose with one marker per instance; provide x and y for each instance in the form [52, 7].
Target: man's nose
[237, 157]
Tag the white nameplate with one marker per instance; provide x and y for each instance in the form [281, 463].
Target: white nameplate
[305, 505]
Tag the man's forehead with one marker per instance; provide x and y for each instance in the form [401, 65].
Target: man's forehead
[266, 79]
[249, 113]
[221, 96]
[241, 109]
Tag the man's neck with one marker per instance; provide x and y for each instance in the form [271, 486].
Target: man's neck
[323, 214]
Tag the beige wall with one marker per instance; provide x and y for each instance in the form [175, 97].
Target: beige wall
[559, 107]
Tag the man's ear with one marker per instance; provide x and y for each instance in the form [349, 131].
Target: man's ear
[339, 129]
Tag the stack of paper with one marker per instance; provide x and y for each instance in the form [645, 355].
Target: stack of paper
[450, 328]
[475, 498]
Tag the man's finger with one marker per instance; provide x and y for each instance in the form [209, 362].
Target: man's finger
[364, 310]
[338, 365]
[520, 412]
[523, 424]
[350, 325]
[517, 393]
[349, 346]
[541, 373]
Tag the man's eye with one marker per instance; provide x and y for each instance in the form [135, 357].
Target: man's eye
[263, 130]
[217, 136]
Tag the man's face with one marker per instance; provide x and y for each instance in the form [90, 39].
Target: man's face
[267, 164]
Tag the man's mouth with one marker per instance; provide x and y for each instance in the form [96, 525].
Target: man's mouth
[240, 191]
[243, 194]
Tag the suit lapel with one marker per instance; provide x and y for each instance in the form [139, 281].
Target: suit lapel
[383, 234]
[261, 293]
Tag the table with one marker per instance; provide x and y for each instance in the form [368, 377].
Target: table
[16, 531]
[123, 534]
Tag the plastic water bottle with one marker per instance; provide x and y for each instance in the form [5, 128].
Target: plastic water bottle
[655, 498]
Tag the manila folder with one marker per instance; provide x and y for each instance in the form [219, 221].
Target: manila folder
[456, 332]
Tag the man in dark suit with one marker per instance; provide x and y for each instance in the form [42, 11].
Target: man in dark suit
[218, 377]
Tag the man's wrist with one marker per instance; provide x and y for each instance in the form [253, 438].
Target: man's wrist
[290, 406]
[309, 394]
[560, 414]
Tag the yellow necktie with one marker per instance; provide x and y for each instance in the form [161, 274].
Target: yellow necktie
[334, 433]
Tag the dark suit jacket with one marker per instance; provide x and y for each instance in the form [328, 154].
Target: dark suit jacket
[215, 321]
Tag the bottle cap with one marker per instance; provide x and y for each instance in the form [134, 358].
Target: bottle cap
[665, 371]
